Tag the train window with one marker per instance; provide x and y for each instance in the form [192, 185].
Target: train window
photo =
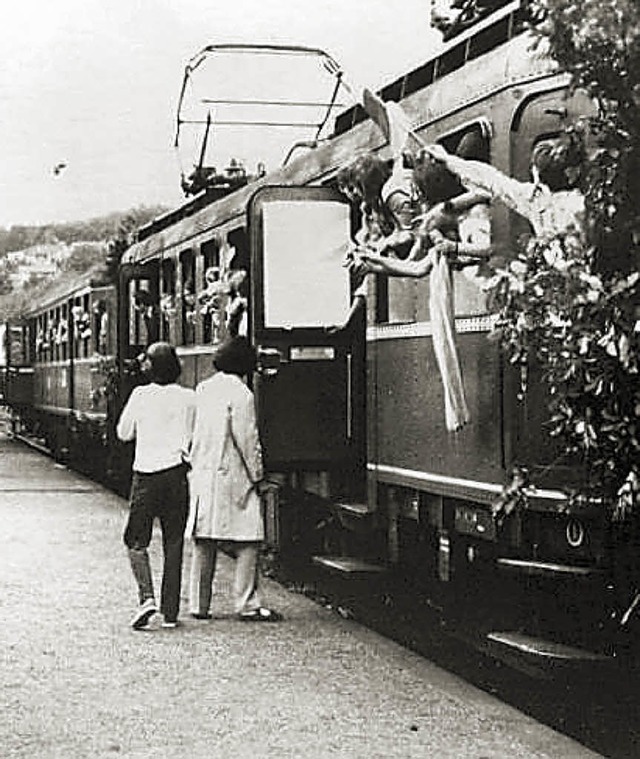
[56, 334]
[304, 245]
[168, 321]
[403, 299]
[101, 326]
[207, 300]
[189, 310]
[46, 349]
[76, 316]
[39, 338]
[143, 311]
[48, 356]
[63, 333]
[471, 142]
[29, 340]
[238, 281]
[84, 333]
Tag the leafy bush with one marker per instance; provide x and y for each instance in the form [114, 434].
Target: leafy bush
[577, 315]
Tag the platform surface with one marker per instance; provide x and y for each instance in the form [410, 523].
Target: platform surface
[78, 682]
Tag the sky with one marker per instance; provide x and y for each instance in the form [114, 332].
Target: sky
[94, 84]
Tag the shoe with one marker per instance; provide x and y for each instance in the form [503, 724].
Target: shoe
[141, 618]
[199, 615]
[260, 615]
[170, 624]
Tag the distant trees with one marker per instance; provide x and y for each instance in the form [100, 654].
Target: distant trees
[103, 228]
[84, 255]
[100, 240]
[119, 243]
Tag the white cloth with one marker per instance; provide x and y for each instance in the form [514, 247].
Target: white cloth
[224, 505]
[444, 345]
[160, 419]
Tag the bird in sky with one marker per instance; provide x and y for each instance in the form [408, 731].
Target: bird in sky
[58, 168]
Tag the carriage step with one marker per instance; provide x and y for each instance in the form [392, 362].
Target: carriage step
[353, 517]
[545, 649]
[349, 566]
[354, 509]
[36, 444]
[547, 568]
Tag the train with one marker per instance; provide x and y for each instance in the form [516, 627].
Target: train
[351, 421]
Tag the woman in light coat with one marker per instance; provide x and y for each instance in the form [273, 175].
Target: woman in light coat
[225, 507]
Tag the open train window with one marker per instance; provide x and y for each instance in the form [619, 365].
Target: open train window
[403, 299]
[210, 252]
[168, 322]
[188, 299]
[84, 333]
[473, 142]
[143, 319]
[239, 279]
[101, 325]
[63, 332]
[55, 333]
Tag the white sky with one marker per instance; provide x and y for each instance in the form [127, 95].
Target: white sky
[95, 83]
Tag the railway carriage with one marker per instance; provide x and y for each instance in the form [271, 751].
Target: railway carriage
[60, 366]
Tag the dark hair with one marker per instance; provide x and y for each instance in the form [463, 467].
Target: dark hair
[362, 181]
[473, 146]
[165, 364]
[433, 180]
[365, 174]
[560, 161]
[235, 356]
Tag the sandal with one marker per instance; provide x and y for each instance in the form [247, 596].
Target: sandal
[261, 615]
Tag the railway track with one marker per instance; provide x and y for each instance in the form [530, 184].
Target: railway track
[591, 699]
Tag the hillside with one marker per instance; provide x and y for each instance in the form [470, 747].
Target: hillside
[33, 256]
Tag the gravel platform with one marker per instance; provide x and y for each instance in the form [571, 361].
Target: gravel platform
[77, 681]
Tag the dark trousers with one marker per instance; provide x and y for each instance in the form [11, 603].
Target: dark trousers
[163, 495]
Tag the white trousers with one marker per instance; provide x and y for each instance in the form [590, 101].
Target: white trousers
[245, 582]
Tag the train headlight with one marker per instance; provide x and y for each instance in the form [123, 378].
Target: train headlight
[575, 533]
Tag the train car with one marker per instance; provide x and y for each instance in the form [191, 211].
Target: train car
[60, 367]
[352, 422]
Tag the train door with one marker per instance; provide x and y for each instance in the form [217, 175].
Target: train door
[309, 387]
[543, 115]
[138, 318]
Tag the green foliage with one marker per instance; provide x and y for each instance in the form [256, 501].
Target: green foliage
[119, 243]
[84, 256]
[573, 306]
[102, 228]
[598, 43]
[102, 240]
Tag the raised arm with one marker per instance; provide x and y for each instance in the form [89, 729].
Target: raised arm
[397, 267]
[477, 175]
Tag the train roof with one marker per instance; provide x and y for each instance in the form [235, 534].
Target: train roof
[490, 32]
[495, 54]
[65, 286]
